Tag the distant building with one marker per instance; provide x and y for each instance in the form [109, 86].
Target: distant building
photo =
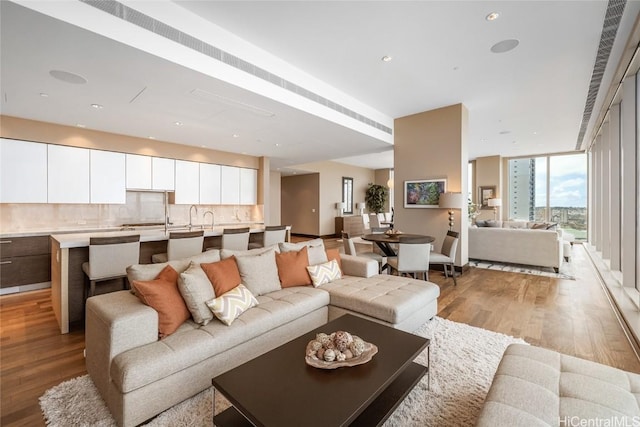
[522, 182]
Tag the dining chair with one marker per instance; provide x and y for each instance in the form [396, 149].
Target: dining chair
[109, 258]
[272, 235]
[236, 239]
[374, 221]
[181, 244]
[350, 249]
[413, 256]
[365, 223]
[448, 255]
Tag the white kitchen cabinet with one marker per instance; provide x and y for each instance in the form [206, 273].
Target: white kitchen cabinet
[248, 186]
[210, 184]
[23, 172]
[162, 174]
[67, 174]
[187, 185]
[107, 177]
[230, 188]
[138, 172]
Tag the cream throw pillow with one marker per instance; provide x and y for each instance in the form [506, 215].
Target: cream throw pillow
[322, 274]
[317, 254]
[259, 272]
[232, 304]
[196, 290]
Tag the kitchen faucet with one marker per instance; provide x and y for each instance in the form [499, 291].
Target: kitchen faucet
[190, 216]
[205, 215]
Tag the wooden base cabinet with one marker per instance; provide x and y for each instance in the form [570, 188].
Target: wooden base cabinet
[24, 261]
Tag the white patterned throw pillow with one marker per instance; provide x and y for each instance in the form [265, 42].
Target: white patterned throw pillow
[228, 306]
[324, 273]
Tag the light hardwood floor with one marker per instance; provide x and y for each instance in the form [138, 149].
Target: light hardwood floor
[571, 316]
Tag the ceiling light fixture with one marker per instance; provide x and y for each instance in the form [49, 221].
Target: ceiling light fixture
[387, 58]
[492, 16]
[44, 95]
[178, 123]
[151, 137]
[97, 106]
[80, 125]
[505, 46]
[67, 77]
[277, 145]
[235, 135]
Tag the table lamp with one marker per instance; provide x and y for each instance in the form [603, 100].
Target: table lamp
[495, 204]
[340, 206]
[450, 201]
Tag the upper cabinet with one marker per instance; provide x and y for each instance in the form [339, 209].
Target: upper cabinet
[150, 173]
[163, 174]
[248, 186]
[107, 173]
[210, 188]
[23, 172]
[67, 174]
[187, 188]
[230, 185]
[138, 172]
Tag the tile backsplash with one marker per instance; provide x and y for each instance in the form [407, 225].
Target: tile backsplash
[140, 207]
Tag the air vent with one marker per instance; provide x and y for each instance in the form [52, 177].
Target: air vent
[612, 18]
[141, 20]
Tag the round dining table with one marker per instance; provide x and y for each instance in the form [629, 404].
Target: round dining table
[384, 240]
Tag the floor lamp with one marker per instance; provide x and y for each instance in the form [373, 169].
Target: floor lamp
[450, 201]
[495, 204]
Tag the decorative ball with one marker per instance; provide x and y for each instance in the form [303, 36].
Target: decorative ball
[324, 340]
[348, 354]
[329, 355]
[342, 340]
[320, 353]
[320, 336]
[329, 345]
[357, 346]
[311, 352]
[340, 357]
[316, 345]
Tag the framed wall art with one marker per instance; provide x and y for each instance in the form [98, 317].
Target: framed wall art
[423, 193]
[484, 194]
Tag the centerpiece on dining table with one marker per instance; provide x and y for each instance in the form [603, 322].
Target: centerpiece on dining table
[393, 232]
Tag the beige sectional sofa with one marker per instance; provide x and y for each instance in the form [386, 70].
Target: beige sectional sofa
[139, 375]
[536, 387]
[514, 242]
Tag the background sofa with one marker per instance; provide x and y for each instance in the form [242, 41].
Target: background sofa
[514, 242]
[140, 376]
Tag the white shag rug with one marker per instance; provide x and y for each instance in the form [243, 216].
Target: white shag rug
[566, 269]
[463, 361]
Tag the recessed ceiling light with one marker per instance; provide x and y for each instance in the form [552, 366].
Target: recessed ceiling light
[235, 135]
[535, 132]
[387, 58]
[97, 106]
[44, 95]
[277, 145]
[202, 146]
[67, 77]
[505, 46]
[178, 123]
[492, 16]
[80, 125]
[505, 132]
[151, 137]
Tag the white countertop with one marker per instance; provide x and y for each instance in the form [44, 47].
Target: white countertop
[79, 240]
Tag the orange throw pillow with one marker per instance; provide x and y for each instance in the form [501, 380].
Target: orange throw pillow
[223, 275]
[334, 254]
[162, 294]
[292, 268]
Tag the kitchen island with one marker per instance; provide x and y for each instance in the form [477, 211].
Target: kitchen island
[70, 250]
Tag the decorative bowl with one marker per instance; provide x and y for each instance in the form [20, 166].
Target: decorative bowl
[338, 349]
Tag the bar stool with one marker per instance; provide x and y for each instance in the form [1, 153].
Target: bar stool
[236, 239]
[181, 244]
[273, 234]
[109, 258]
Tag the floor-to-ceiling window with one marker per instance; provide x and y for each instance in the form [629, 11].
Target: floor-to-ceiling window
[550, 188]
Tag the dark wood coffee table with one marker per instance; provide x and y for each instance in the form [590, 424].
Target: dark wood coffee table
[279, 389]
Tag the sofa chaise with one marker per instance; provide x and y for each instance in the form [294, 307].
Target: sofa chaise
[536, 387]
[139, 375]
